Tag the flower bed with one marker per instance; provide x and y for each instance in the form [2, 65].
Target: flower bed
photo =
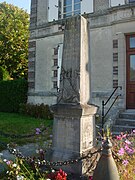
[124, 151]
[24, 169]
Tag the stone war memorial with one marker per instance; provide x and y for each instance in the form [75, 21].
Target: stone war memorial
[74, 117]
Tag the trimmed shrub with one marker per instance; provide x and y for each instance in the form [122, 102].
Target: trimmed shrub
[12, 94]
[38, 111]
[4, 75]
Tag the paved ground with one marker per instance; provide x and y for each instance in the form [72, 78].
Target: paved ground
[27, 150]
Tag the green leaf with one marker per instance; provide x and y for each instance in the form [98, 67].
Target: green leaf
[14, 35]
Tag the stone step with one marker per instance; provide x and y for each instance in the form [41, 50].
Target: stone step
[122, 128]
[126, 122]
[115, 133]
[127, 115]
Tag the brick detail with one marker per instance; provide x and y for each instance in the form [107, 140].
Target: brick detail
[56, 51]
[32, 47]
[55, 62]
[55, 73]
[115, 70]
[115, 63]
[115, 83]
[115, 43]
[31, 65]
[33, 2]
[31, 75]
[31, 85]
[32, 54]
[33, 20]
[55, 86]
[32, 44]
[33, 14]
[33, 10]
[115, 57]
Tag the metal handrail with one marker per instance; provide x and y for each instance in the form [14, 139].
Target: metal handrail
[105, 103]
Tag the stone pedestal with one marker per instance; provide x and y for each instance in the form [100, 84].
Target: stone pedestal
[73, 134]
[74, 119]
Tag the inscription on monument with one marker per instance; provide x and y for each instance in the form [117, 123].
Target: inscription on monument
[68, 91]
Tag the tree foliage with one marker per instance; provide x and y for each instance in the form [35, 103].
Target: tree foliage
[14, 34]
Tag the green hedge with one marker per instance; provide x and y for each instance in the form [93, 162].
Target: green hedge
[12, 94]
[36, 110]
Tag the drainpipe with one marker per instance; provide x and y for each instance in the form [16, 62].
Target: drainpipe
[106, 168]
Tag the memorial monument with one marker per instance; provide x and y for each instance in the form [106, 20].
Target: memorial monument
[74, 117]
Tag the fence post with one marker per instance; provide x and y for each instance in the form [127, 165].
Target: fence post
[102, 117]
[106, 168]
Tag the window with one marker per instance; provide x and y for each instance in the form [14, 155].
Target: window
[67, 2]
[132, 67]
[67, 15]
[69, 8]
[130, 71]
[131, 1]
[132, 42]
[76, 1]
[76, 12]
[77, 6]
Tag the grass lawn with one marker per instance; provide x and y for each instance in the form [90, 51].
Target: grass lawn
[16, 124]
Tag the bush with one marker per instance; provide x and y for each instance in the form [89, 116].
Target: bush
[12, 94]
[38, 111]
[4, 75]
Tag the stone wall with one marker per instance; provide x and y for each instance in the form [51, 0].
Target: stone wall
[100, 5]
[107, 54]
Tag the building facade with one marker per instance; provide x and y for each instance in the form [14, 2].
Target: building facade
[111, 50]
[50, 10]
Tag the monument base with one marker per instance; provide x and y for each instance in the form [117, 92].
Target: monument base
[74, 135]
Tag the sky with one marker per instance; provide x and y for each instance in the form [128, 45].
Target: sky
[25, 4]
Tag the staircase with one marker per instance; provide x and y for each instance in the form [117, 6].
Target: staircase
[125, 122]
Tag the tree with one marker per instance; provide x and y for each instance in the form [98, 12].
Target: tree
[14, 35]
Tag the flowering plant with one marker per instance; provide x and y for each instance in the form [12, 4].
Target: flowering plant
[58, 175]
[31, 168]
[124, 151]
[22, 170]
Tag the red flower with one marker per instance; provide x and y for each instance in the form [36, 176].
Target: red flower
[58, 175]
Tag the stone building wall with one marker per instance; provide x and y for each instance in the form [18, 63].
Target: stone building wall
[101, 5]
[47, 41]
[107, 30]
[108, 52]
